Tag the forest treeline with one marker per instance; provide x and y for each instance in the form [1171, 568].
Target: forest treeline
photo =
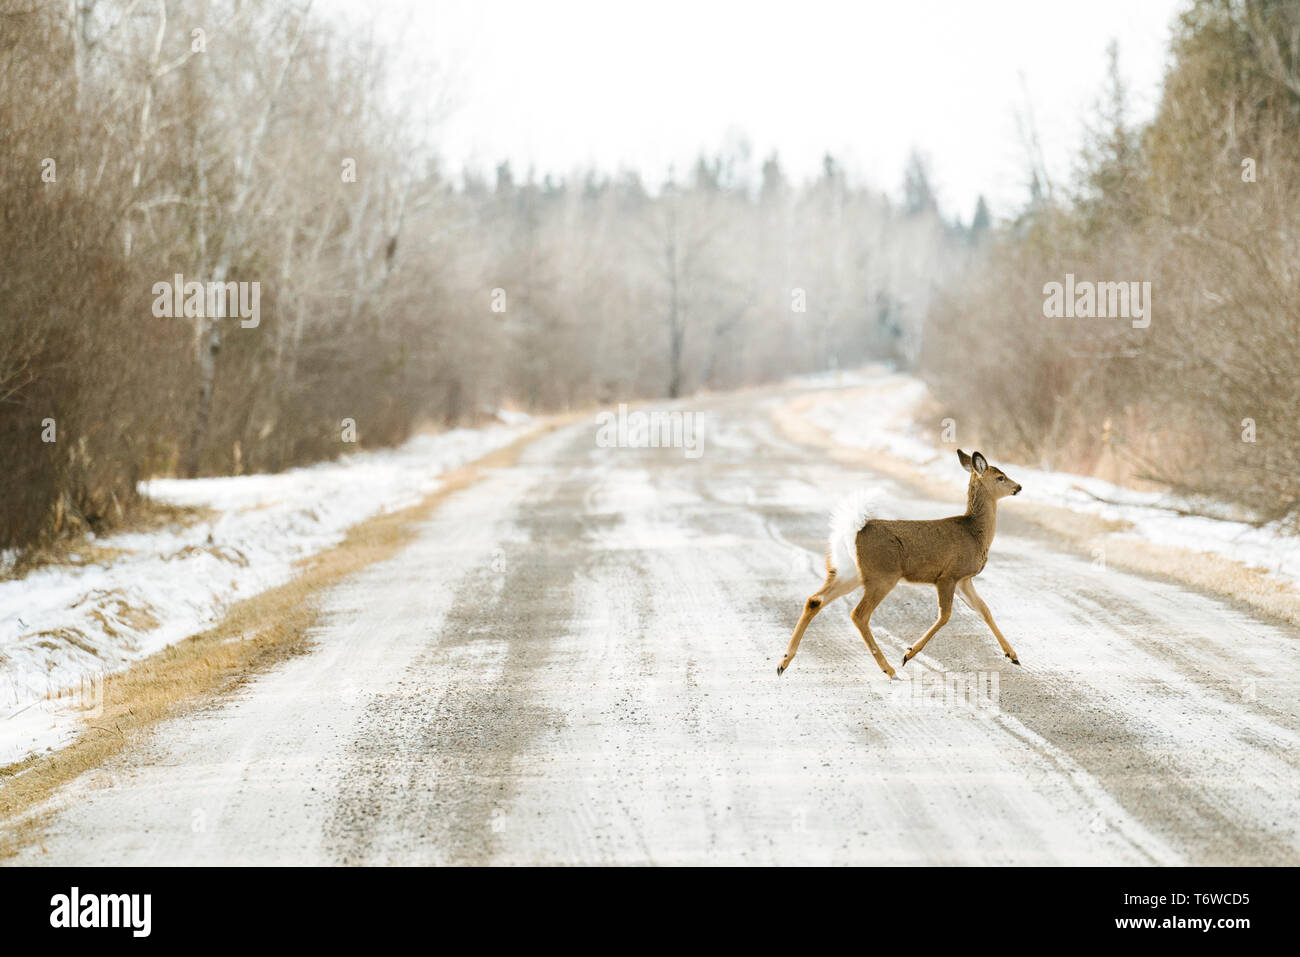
[255, 141]
[1202, 202]
[238, 141]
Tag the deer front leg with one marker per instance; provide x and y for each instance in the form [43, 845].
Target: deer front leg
[946, 588]
[968, 590]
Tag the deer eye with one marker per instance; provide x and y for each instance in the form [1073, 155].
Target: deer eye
[1002, 478]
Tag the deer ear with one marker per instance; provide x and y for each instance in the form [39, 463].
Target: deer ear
[964, 459]
[979, 463]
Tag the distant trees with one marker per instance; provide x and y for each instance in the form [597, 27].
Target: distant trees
[981, 221]
[918, 196]
[708, 281]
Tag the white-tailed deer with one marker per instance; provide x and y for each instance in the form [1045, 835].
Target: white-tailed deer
[876, 553]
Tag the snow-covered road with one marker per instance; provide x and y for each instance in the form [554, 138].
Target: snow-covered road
[575, 662]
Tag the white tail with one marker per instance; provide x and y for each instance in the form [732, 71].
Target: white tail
[847, 519]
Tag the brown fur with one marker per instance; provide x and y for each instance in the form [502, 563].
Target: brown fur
[946, 552]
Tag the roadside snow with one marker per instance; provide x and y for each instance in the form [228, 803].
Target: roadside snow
[883, 418]
[62, 628]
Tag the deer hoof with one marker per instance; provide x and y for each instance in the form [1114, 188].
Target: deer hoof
[780, 669]
[1014, 659]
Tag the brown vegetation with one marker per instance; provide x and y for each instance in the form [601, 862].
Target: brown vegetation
[1203, 203]
[272, 149]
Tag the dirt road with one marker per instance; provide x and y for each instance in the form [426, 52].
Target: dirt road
[576, 663]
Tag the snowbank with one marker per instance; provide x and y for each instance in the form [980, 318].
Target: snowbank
[64, 627]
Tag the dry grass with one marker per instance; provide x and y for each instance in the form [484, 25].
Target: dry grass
[1080, 532]
[144, 515]
[255, 635]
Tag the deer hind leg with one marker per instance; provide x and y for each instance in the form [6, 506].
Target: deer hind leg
[973, 599]
[873, 595]
[834, 587]
[946, 588]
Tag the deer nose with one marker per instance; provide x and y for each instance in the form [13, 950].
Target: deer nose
[1017, 491]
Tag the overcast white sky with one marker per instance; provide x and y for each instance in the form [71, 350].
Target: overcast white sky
[556, 84]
